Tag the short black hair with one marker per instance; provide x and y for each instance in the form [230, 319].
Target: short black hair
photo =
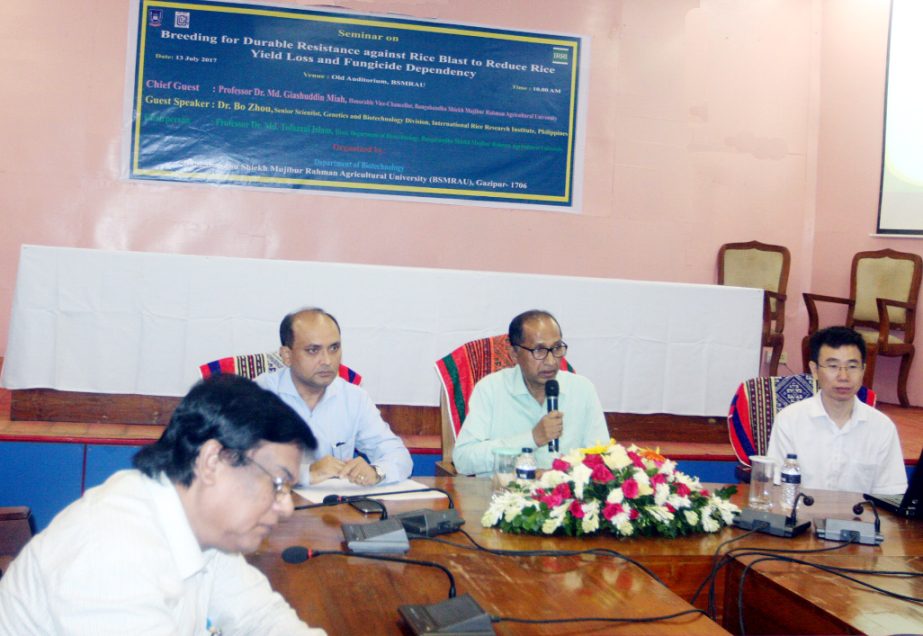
[835, 337]
[287, 335]
[230, 409]
[516, 325]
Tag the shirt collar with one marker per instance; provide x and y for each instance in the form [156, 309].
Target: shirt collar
[287, 387]
[175, 526]
[517, 384]
[858, 415]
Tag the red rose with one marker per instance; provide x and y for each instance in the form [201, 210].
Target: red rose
[553, 500]
[593, 461]
[636, 459]
[576, 509]
[669, 507]
[659, 478]
[630, 488]
[633, 514]
[563, 490]
[601, 474]
[560, 464]
[704, 493]
[611, 509]
[682, 489]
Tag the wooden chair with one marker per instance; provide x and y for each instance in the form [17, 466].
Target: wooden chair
[254, 364]
[760, 266]
[753, 412]
[458, 372]
[883, 290]
[15, 531]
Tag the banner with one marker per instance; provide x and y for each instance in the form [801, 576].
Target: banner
[291, 98]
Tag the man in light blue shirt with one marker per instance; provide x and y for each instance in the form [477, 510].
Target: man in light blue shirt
[341, 415]
[508, 408]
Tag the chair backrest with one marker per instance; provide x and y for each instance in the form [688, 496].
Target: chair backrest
[756, 403]
[460, 370]
[757, 265]
[885, 274]
[16, 528]
[253, 364]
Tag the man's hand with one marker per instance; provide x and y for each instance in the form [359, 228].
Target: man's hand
[325, 468]
[359, 472]
[548, 428]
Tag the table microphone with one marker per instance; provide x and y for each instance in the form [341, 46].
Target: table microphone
[552, 390]
[298, 554]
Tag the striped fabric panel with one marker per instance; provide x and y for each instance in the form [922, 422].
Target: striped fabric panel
[756, 403]
[464, 367]
[254, 364]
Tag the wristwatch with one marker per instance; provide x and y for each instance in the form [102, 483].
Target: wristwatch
[378, 473]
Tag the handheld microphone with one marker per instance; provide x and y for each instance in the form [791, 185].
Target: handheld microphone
[334, 500]
[552, 390]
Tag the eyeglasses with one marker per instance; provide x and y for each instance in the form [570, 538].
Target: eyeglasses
[540, 353]
[851, 369]
[282, 488]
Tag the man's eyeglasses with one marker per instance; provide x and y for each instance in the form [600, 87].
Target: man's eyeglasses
[851, 369]
[540, 353]
[282, 488]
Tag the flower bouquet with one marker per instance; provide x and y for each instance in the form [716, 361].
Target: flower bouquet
[625, 492]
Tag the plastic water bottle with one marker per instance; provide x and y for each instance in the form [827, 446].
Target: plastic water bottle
[526, 465]
[791, 480]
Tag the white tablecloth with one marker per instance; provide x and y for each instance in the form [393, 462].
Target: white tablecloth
[130, 322]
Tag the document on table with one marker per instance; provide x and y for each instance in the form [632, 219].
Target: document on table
[344, 488]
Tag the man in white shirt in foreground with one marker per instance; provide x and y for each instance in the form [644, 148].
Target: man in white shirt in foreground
[159, 549]
[841, 442]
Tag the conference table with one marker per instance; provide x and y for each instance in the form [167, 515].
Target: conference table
[351, 595]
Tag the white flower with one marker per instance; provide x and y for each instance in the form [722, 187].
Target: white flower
[491, 515]
[692, 482]
[574, 457]
[726, 509]
[624, 527]
[691, 517]
[590, 521]
[551, 478]
[659, 513]
[514, 506]
[616, 458]
[555, 518]
[615, 496]
[581, 476]
[709, 524]
[661, 494]
[668, 467]
[679, 502]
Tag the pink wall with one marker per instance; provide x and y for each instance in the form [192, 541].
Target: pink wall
[707, 122]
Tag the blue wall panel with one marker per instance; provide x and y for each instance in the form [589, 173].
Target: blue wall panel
[45, 477]
[102, 461]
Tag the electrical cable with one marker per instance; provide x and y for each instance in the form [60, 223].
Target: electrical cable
[297, 554]
[541, 553]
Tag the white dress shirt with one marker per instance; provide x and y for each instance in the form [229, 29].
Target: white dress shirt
[344, 420]
[123, 560]
[864, 455]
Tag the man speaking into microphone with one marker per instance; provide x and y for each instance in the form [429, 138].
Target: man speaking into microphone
[511, 408]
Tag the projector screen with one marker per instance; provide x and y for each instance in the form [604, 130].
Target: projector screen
[900, 209]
